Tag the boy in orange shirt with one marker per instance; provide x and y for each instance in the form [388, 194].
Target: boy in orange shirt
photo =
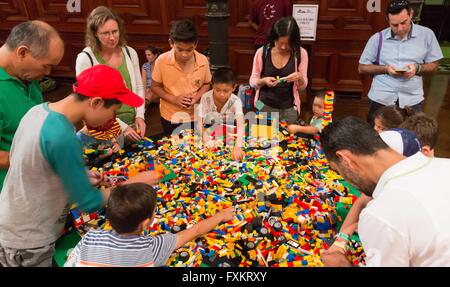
[180, 77]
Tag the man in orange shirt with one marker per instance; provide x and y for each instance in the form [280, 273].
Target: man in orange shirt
[180, 77]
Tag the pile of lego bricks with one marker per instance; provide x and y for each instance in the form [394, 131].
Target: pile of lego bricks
[285, 199]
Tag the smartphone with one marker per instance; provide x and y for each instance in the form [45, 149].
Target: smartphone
[398, 70]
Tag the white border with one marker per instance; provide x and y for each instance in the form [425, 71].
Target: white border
[297, 17]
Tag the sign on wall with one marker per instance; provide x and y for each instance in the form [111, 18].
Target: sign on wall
[306, 16]
[73, 6]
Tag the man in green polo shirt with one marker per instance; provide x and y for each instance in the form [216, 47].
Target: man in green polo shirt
[30, 51]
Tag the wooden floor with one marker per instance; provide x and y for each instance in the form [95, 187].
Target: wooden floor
[437, 105]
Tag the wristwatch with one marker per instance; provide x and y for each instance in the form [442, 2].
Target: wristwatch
[418, 69]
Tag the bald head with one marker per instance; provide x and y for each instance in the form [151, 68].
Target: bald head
[36, 35]
[31, 50]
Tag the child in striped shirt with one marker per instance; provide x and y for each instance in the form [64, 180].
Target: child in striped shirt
[105, 140]
[131, 210]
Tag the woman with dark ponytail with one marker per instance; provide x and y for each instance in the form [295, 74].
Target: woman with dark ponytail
[280, 71]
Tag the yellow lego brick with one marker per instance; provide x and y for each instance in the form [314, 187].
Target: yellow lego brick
[346, 200]
[278, 207]
[252, 254]
[280, 252]
[262, 131]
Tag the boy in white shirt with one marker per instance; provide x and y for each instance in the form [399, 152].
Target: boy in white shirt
[221, 107]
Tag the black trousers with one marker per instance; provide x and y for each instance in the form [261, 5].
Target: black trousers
[169, 127]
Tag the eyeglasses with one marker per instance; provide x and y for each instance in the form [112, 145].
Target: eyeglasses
[106, 34]
[398, 4]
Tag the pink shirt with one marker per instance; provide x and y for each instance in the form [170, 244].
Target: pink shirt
[302, 68]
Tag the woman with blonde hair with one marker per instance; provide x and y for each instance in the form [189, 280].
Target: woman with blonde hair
[106, 44]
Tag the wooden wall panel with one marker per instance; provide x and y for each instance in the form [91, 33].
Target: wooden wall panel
[343, 29]
[75, 45]
[142, 17]
[55, 13]
[241, 58]
[320, 72]
[193, 9]
[239, 14]
[12, 12]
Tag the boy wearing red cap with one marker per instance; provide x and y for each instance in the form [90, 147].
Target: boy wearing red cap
[47, 173]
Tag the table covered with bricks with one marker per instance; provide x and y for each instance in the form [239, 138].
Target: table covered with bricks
[289, 203]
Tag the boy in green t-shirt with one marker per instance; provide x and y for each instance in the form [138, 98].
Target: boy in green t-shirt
[315, 125]
[47, 172]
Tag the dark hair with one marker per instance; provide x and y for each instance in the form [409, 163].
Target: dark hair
[107, 103]
[392, 116]
[35, 35]
[97, 18]
[155, 51]
[425, 128]
[396, 6]
[223, 76]
[184, 31]
[129, 205]
[351, 134]
[287, 27]
[320, 93]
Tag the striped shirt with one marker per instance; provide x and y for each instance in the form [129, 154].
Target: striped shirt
[102, 248]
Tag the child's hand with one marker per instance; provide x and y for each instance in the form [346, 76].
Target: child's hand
[184, 101]
[238, 154]
[141, 127]
[131, 134]
[115, 147]
[211, 144]
[104, 153]
[95, 177]
[293, 129]
[227, 214]
[107, 182]
[195, 98]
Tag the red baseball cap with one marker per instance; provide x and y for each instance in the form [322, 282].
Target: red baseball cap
[107, 83]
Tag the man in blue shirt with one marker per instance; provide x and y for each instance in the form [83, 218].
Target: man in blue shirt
[397, 57]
